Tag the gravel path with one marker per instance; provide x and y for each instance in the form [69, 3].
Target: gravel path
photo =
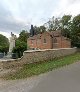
[19, 85]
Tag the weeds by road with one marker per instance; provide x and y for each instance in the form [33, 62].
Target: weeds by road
[42, 67]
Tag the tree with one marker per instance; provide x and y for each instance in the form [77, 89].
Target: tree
[69, 26]
[20, 47]
[57, 24]
[40, 29]
[51, 24]
[54, 24]
[75, 31]
[66, 25]
[23, 36]
[4, 44]
[21, 43]
[37, 30]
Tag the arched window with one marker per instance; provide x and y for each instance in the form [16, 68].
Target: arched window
[54, 40]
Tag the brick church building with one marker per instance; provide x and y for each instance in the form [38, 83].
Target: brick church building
[48, 40]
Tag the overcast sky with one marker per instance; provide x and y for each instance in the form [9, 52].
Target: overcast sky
[16, 15]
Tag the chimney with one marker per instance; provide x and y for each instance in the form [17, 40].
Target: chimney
[32, 31]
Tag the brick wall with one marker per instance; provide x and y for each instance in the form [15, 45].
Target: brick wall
[37, 56]
[37, 41]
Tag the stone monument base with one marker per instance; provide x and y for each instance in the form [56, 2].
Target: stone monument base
[8, 56]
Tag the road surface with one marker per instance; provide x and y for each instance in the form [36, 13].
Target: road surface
[66, 79]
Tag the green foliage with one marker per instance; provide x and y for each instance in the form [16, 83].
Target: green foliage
[40, 29]
[21, 43]
[20, 47]
[54, 24]
[65, 25]
[4, 44]
[69, 26]
[37, 30]
[75, 31]
[23, 36]
[62, 24]
[65, 20]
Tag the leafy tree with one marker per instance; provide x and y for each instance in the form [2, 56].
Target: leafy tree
[75, 31]
[65, 20]
[51, 24]
[4, 44]
[23, 36]
[37, 30]
[40, 29]
[21, 43]
[66, 25]
[54, 24]
[69, 26]
[57, 24]
[20, 47]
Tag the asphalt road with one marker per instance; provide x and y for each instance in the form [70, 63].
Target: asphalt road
[66, 79]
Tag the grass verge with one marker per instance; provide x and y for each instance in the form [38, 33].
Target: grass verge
[42, 67]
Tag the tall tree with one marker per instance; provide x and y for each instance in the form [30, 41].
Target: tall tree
[57, 24]
[37, 30]
[51, 24]
[4, 44]
[66, 25]
[54, 24]
[21, 43]
[75, 31]
[23, 36]
[40, 29]
[20, 47]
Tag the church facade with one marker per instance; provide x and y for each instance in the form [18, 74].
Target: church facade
[48, 40]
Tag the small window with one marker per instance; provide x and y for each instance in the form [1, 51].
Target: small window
[44, 40]
[54, 40]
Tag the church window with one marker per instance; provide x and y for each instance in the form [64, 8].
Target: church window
[54, 40]
[44, 40]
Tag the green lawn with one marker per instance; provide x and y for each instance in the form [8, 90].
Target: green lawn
[42, 67]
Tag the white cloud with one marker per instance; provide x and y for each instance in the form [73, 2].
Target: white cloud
[16, 15]
[67, 7]
[8, 34]
[5, 34]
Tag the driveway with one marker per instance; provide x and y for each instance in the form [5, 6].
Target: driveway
[66, 79]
